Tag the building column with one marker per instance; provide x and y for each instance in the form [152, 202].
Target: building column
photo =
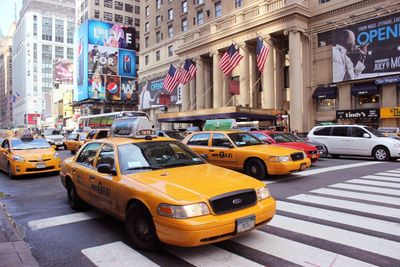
[244, 66]
[226, 96]
[192, 95]
[208, 85]
[296, 81]
[267, 78]
[200, 91]
[253, 79]
[185, 97]
[217, 80]
[278, 77]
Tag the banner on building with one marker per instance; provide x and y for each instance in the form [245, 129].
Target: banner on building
[357, 114]
[390, 113]
[63, 71]
[367, 49]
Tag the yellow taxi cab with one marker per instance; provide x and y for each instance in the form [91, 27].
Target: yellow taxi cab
[239, 150]
[74, 141]
[162, 190]
[97, 134]
[28, 155]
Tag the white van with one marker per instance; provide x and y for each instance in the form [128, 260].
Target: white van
[356, 140]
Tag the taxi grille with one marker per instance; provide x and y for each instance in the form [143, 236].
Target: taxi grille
[35, 160]
[39, 169]
[233, 201]
[312, 152]
[297, 156]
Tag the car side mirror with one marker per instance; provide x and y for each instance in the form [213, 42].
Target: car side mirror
[54, 147]
[106, 168]
[227, 144]
[365, 135]
[204, 156]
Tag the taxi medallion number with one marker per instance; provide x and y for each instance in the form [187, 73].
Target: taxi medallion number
[245, 224]
[40, 165]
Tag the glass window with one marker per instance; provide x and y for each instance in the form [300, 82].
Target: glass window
[129, 8]
[108, 16]
[170, 31]
[184, 6]
[324, 38]
[59, 34]
[158, 37]
[38, 143]
[88, 154]
[147, 11]
[147, 27]
[128, 20]
[323, 131]
[118, 18]
[47, 55]
[97, 2]
[59, 52]
[368, 101]
[158, 55]
[35, 26]
[340, 131]
[119, 5]
[200, 17]
[220, 140]
[199, 139]
[146, 42]
[146, 59]
[158, 4]
[324, 1]
[218, 9]
[158, 20]
[170, 14]
[238, 3]
[70, 32]
[244, 139]
[137, 10]
[96, 14]
[326, 104]
[137, 22]
[108, 3]
[184, 25]
[47, 29]
[357, 132]
[102, 134]
[106, 156]
[170, 51]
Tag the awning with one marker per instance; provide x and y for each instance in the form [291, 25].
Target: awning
[325, 92]
[233, 112]
[364, 89]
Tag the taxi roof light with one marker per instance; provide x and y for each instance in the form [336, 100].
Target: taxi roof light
[220, 124]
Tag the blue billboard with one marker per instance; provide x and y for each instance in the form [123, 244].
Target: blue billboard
[105, 53]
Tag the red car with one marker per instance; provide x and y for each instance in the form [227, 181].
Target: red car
[282, 139]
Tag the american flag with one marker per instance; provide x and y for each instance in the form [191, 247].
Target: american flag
[229, 60]
[172, 79]
[189, 71]
[262, 54]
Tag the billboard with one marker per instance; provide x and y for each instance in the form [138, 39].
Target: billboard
[32, 118]
[63, 71]
[106, 61]
[152, 94]
[367, 49]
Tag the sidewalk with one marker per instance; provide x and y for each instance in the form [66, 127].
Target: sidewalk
[14, 252]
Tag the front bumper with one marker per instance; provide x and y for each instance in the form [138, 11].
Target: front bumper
[211, 228]
[26, 167]
[282, 168]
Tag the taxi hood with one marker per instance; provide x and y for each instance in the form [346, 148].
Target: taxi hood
[197, 182]
[297, 145]
[35, 153]
[269, 150]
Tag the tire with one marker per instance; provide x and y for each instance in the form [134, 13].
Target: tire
[255, 168]
[381, 153]
[74, 201]
[140, 228]
[9, 172]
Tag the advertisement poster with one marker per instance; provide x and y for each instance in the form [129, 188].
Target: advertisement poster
[127, 89]
[127, 63]
[33, 118]
[111, 35]
[96, 86]
[81, 92]
[113, 90]
[367, 49]
[152, 94]
[103, 60]
[63, 71]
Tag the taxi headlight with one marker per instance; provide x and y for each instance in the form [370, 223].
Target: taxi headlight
[183, 212]
[56, 155]
[263, 193]
[304, 155]
[18, 158]
[279, 159]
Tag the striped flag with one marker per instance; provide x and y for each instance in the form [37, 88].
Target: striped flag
[262, 54]
[229, 60]
[172, 79]
[189, 71]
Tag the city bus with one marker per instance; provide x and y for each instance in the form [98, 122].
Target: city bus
[105, 120]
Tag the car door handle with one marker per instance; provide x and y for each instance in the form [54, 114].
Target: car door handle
[211, 150]
[92, 176]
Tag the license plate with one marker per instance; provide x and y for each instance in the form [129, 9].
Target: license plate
[245, 224]
[303, 166]
[313, 156]
[59, 143]
[40, 165]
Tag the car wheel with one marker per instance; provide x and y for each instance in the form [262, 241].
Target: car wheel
[74, 201]
[255, 168]
[9, 171]
[381, 153]
[140, 228]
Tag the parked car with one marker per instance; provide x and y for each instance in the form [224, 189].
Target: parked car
[323, 153]
[54, 137]
[281, 139]
[356, 140]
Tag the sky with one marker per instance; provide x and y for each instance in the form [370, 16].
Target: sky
[7, 13]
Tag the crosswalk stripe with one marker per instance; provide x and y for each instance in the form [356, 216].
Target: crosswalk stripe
[381, 178]
[367, 189]
[377, 183]
[389, 174]
[116, 254]
[341, 217]
[295, 252]
[210, 256]
[364, 242]
[356, 195]
[64, 219]
[394, 171]
[349, 205]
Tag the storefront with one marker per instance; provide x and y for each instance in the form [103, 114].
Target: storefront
[369, 117]
[326, 97]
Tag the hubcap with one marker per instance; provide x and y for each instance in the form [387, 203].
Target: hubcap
[253, 169]
[380, 154]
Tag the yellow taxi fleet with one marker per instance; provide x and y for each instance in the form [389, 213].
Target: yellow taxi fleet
[163, 190]
[242, 151]
[28, 155]
[74, 141]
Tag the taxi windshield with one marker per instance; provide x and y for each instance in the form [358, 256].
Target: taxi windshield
[18, 144]
[82, 136]
[244, 139]
[156, 155]
[72, 136]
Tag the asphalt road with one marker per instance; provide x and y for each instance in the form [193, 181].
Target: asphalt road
[340, 212]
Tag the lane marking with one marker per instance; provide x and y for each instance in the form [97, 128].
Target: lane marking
[341, 217]
[356, 195]
[116, 254]
[295, 252]
[322, 170]
[210, 256]
[377, 183]
[372, 244]
[389, 174]
[381, 178]
[367, 189]
[64, 219]
[394, 171]
[348, 205]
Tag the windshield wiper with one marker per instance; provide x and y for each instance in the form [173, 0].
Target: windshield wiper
[143, 168]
